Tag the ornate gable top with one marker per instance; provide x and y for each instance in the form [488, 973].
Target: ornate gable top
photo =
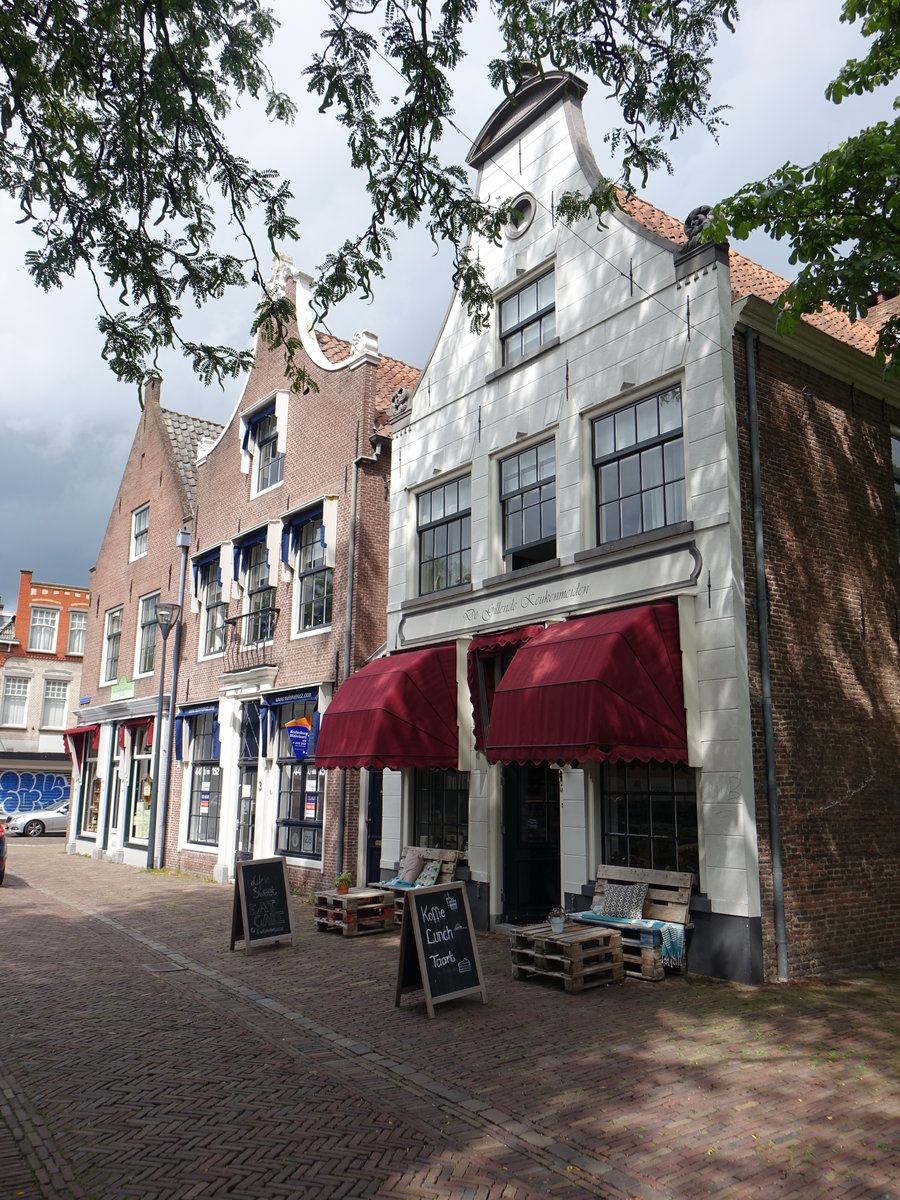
[531, 98]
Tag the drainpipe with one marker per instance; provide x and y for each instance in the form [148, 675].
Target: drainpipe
[762, 615]
[348, 637]
[183, 542]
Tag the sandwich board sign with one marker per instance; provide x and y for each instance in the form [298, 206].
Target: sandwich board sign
[438, 951]
[261, 913]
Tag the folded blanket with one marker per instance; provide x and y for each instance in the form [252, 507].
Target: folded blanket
[672, 935]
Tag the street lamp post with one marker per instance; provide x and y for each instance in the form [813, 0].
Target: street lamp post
[166, 616]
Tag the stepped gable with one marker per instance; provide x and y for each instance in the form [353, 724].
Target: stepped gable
[390, 375]
[750, 279]
[185, 434]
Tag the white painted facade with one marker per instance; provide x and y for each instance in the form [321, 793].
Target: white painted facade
[625, 329]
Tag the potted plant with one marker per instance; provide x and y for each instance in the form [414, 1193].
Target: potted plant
[557, 919]
[343, 881]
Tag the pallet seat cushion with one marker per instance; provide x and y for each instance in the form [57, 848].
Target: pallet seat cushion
[410, 865]
[621, 900]
[429, 874]
[671, 934]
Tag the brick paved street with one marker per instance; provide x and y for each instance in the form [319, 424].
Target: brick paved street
[141, 1058]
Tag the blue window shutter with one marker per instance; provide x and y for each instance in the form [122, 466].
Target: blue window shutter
[179, 721]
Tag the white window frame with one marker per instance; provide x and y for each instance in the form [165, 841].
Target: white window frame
[142, 637]
[54, 684]
[105, 680]
[35, 627]
[250, 457]
[220, 604]
[12, 691]
[81, 630]
[143, 532]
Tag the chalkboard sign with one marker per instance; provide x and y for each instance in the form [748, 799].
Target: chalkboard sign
[261, 913]
[438, 952]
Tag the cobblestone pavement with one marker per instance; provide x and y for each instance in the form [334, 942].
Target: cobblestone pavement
[141, 1058]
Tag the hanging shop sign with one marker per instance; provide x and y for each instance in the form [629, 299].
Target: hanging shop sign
[299, 731]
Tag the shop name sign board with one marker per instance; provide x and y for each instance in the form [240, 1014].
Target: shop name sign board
[438, 952]
[261, 913]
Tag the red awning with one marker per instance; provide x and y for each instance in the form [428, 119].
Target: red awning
[73, 743]
[484, 648]
[395, 712]
[599, 688]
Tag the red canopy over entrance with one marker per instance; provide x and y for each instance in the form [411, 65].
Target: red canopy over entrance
[395, 712]
[606, 687]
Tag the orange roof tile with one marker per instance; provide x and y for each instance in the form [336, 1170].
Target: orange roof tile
[390, 374]
[750, 279]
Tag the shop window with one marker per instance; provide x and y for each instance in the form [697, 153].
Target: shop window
[140, 528]
[206, 781]
[42, 631]
[639, 460]
[650, 816]
[441, 809]
[528, 318]
[15, 701]
[528, 500]
[89, 792]
[111, 645]
[301, 792]
[77, 631]
[214, 608]
[141, 786]
[444, 525]
[53, 709]
[147, 629]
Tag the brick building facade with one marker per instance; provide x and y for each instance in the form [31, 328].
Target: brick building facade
[41, 652]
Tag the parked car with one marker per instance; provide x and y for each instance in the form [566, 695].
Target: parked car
[2, 852]
[54, 819]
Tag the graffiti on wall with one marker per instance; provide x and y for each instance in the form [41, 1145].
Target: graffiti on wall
[30, 791]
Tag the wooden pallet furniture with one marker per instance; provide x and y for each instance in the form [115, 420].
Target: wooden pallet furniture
[578, 958]
[448, 860]
[359, 911]
[668, 899]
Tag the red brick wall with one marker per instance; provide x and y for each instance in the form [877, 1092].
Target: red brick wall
[834, 590]
[60, 596]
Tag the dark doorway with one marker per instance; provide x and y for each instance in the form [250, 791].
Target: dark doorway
[373, 828]
[248, 762]
[531, 872]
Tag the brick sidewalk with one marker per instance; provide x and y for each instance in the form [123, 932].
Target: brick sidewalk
[142, 1059]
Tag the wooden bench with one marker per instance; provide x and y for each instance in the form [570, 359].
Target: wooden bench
[448, 860]
[668, 899]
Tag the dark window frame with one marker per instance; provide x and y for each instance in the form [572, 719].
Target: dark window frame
[205, 764]
[518, 501]
[657, 823]
[296, 834]
[654, 462]
[517, 332]
[441, 809]
[436, 535]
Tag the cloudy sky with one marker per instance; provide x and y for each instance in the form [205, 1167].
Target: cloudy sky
[66, 425]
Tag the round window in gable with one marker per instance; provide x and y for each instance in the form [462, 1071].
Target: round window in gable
[521, 215]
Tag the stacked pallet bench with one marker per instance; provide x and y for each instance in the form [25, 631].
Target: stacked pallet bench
[448, 860]
[668, 899]
[361, 910]
[578, 958]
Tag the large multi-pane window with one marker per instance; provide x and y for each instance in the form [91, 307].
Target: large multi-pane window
[261, 621]
[147, 634]
[42, 631]
[301, 791]
[444, 525]
[528, 318]
[53, 709]
[650, 816]
[141, 790]
[639, 460]
[441, 809]
[89, 795]
[140, 526]
[15, 701]
[528, 500]
[206, 781]
[270, 468]
[112, 643]
[314, 579]
[77, 630]
[214, 609]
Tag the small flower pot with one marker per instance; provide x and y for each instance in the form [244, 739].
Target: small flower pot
[342, 889]
[557, 924]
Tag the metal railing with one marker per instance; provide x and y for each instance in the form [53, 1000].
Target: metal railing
[248, 640]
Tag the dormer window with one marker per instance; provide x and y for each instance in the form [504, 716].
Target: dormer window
[263, 445]
[270, 469]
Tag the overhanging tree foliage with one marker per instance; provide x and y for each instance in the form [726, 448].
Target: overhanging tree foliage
[111, 117]
[841, 214]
